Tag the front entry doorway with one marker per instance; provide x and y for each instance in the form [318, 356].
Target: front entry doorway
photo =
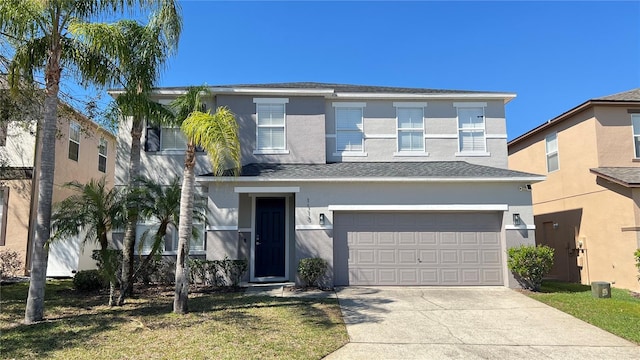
[270, 247]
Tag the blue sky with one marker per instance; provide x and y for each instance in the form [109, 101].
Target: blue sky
[553, 55]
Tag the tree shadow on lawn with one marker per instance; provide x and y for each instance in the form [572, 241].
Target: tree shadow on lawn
[554, 286]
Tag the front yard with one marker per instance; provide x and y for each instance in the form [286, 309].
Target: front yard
[619, 315]
[219, 326]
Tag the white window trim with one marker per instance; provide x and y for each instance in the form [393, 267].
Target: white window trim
[408, 105]
[470, 105]
[272, 101]
[633, 132]
[410, 153]
[71, 125]
[484, 129]
[106, 150]
[360, 105]
[547, 153]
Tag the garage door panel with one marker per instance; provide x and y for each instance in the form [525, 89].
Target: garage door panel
[419, 248]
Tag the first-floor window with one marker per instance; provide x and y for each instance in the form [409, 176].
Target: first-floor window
[635, 119]
[102, 155]
[145, 238]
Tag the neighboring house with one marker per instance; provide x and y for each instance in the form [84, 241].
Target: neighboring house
[391, 186]
[588, 208]
[83, 151]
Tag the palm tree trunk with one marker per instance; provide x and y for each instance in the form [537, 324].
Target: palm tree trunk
[34, 311]
[184, 233]
[129, 242]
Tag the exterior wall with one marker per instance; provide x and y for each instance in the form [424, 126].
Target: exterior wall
[19, 150]
[309, 238]
[595, 137]
[18, 218]
[441, 134]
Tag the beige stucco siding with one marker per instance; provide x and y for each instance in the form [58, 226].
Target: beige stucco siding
[17, 217]
[615, 137]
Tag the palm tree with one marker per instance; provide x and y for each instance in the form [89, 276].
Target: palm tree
[46, 41]
[217, 134]
[95, 210]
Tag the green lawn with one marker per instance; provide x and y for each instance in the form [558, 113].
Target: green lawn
[219, 326]
[619, 315]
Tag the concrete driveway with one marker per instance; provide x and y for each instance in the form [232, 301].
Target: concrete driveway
[466, 323]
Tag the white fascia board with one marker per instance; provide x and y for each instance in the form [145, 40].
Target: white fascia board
[519, 227]
[410, 104]
[506, 97]
[243, 179]
[431, 207]
[266, 189]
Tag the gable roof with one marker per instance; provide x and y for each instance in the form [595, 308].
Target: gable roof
[626, 97]
[625, 176]
[436, 171]
[333, 90]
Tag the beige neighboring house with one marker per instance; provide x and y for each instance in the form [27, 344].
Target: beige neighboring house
[588, 208]
[84, 151]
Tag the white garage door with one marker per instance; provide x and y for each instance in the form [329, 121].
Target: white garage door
[400, 248]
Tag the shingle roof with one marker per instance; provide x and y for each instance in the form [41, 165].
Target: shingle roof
[626, 176]
[353, 170]
[631, 95]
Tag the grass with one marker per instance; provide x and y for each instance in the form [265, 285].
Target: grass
[619, 315]
[219, 326]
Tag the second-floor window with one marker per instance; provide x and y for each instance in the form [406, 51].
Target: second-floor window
[102, 155]
[172, 138]
[271, 124]
[410, 129]
[349, 128]
[551, 143]
[471, 129]
[635, 120]
[74, 140]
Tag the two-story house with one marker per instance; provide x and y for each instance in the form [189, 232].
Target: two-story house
[84, 151]
[391, 186]
[588, 208]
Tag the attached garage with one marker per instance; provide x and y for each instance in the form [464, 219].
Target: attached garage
[417, 248]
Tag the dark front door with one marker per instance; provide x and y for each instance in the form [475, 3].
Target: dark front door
[270, 236]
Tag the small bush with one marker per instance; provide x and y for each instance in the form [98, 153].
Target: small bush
[233, 270]
[89, 280]
[530, 264]
[637, 256]
[226, 272]
[311, 271]
[10, 263]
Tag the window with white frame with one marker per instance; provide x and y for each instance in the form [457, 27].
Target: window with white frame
[172, 138]
[74, 140]
[145, 237]
[271, 124]
[410, 129]
[551, 144]
[635, 120]
[349, 127]
[102, 155]
[471, 129]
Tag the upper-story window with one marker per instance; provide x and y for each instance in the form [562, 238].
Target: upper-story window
[172, 138]
[271, 135]
[74, 140]
[349, 127]
[551, 143]
[635, 120]
[102, 155]
[471, 128]
[410, 125]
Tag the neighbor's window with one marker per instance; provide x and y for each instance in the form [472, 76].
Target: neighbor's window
[270, 124]
[635, 119]
[410, 128]
[349, 127]
[102, 155]
[171, 138]
[471, 129]
[145, 238]
[553, 163]
[74, 140]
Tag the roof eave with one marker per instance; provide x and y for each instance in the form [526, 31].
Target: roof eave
[527, 179]
[506, 97]
[614, 179]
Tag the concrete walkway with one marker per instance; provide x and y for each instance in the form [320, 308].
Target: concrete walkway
[466, 323]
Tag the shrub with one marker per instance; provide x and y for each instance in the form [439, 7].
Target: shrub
[10, 263]
[530, 264]
[233, 270]
[637, 256]
[311, 270]
[89, 280]
[226, 272]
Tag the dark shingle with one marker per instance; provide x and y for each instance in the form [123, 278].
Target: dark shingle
[631, 95]
[355, 88]
[415, 170]
[627, 176]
